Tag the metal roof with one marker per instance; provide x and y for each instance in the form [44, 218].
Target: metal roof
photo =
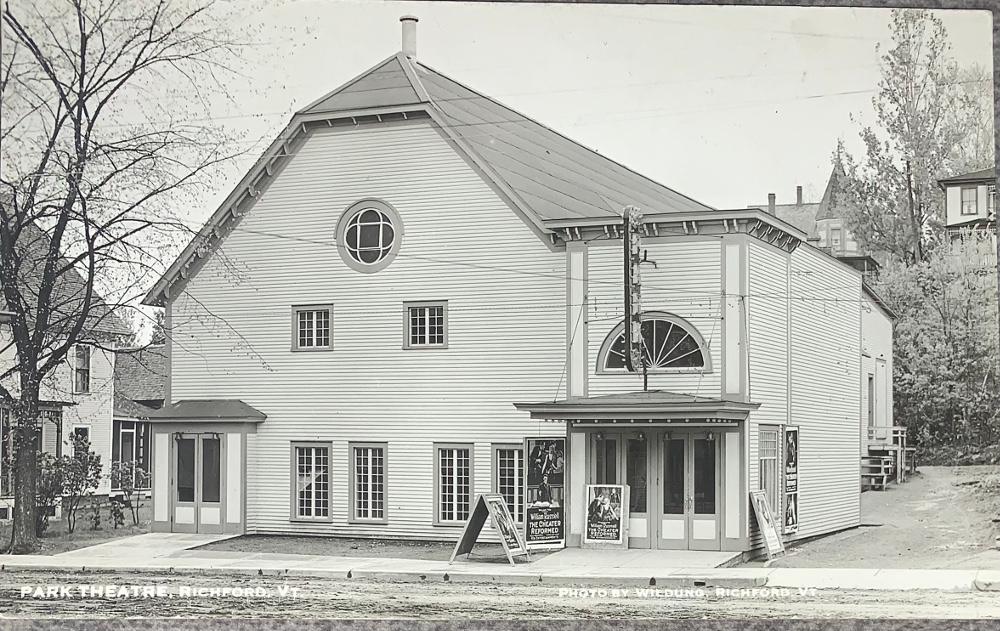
[207, 410]
[658, 404]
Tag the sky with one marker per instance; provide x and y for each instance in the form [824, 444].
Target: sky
[723, 104]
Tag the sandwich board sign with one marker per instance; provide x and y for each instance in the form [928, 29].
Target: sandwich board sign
[494, 506]
[765, 521]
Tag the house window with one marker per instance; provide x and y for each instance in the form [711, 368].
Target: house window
[991, 199]
[311, 327]
[454, 482]
[130, 443]
[81, 433]
[508, 467]
[369, 234]
[970, 203]
[426, 325]
[368, 482]
[81, 368]
[669, 343]
[311, 470]
[835, 237]
[767, 467]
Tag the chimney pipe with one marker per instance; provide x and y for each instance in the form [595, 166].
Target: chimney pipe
[798, 195]
[770, 204]
[409, 35]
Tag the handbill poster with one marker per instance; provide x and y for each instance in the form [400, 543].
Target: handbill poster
[605, 519]
[765, 521]
[791, 519]
[544, 513]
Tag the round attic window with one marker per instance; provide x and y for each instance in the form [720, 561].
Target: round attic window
[369, 234]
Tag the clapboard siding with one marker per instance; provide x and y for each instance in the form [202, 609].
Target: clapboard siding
[685, 282]
[506, 324]
[876, 340]
[825, 397]
[93, 409]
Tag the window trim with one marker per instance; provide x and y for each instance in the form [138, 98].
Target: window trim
[407, 345]
[352, 517]
[76, 367]
[777, 507]
[437, 447]
[397, 229]
[657, 315]
[975, 200]
[293, 515]
[495, 450]
[296, 309]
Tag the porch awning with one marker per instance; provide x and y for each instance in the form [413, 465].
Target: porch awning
[649, 405]
[192, 410]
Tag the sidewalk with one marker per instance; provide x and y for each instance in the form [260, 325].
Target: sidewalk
[168, 554]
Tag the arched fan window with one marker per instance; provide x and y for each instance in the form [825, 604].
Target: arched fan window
[669, 342]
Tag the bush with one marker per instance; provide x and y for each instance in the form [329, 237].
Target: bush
[128, 477]
[51, 480]
[82, 476]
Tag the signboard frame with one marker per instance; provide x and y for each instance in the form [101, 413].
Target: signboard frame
[765, 523]
[595, 493]
[494, 505]
[790, 521]
[545, 456]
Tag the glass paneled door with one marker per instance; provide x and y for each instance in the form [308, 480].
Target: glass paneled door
[197, 483]
[688, 498]
[640, 483]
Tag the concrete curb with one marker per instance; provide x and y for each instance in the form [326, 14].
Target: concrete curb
[743, 578]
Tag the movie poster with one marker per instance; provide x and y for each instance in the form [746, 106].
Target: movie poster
[605, 521]
[503, 523]
[544, 516]
[791, 452]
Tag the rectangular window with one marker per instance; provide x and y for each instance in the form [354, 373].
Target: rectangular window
[211, 469]
[130, 443]
[835, 237]
[508, 467]
[185, 469]
[426, 325]
[970, 203]
[81, 369]
[311, 327]
[454, 482]
[767, 469]
[991, 199]
[311, 470]
[368, 482]
[80, 432]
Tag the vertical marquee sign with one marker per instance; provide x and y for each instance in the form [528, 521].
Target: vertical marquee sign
[632, 224]
[544, 485]
[791, 520]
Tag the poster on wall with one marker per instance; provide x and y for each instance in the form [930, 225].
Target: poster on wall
[544, 512]
[765, 522]
[605, 519]
[791, 518]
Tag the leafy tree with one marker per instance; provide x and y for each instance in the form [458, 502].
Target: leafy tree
[106, 130]
[946, 344]
[926, 109]
[81, 477]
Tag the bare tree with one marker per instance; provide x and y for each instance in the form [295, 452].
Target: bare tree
[106, 131]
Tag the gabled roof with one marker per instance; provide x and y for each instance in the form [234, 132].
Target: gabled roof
[141, 374]
[986, 176]
[69, 291]
[544, 174]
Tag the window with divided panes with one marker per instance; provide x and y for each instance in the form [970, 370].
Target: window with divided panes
[510, 479]
[767, 469]
[454, 483]
[369, 482]
[312, 328]
[426, 325]
[312, 482]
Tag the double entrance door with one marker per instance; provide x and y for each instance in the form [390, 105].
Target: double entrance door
[674, 484]
[197, 483]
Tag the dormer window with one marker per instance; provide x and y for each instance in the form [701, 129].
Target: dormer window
[970, 203]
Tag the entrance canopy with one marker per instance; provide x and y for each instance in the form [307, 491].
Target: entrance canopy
[201, 410]
[652, 405]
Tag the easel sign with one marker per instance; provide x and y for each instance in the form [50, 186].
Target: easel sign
[495, 506]
[765, 521]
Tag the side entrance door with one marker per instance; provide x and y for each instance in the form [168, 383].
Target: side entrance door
[687, 501]
[197, 484]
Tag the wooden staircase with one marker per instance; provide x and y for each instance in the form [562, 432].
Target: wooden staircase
[876, 472]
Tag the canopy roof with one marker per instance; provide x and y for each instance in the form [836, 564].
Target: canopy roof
[652, 404]
[207, 410]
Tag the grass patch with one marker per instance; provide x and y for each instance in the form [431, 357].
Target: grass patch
[57, 538]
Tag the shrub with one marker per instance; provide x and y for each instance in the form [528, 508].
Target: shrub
[128, 477]
[51, 479]
[82, 476]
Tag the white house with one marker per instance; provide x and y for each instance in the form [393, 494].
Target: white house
[426, 278]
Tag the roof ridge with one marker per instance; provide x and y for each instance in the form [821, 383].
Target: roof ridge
[561, 135]
[395, 57]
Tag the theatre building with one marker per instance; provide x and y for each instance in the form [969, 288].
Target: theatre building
[414, 279]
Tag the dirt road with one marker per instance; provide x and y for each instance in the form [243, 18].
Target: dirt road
[939, 519]
[341, 598]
